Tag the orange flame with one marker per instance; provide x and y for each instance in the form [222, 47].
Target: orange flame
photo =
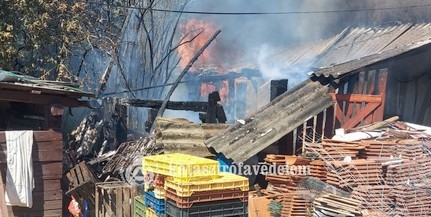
[214, 56]
[192, 43]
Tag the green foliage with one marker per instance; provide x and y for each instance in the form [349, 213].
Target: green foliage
[38, 36]
[275, 208]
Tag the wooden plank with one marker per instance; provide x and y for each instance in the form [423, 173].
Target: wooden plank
[370, 90]
[20, 211]
[338, 107]
[28, 97]
[3, 208]
[39, 136]
[97, 203]
[360, 86]
[38, 205]
[352, 87]
[47, 168]
[353, 122]
[41, 156]
[118, 202]
[357, 98]
[41, 185]
[383, 78]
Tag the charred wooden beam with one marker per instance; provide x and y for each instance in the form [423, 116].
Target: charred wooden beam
[173, 105]
[217, 76]
[278, 87]
[213, 98]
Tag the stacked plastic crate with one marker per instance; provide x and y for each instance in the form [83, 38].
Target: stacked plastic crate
[193, 186]
[154, 196]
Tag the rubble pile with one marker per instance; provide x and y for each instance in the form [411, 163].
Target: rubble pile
[293, 204]
[385, 175]
[388, 175]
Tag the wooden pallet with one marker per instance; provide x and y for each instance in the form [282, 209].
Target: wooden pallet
[114, 199]
[82, 185]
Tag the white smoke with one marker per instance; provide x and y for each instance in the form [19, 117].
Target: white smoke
[267, 68]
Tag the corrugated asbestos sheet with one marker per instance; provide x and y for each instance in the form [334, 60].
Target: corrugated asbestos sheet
[182, 136]
[281, 116]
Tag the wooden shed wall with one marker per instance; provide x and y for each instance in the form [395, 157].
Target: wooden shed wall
[410, 98]
[47, 169]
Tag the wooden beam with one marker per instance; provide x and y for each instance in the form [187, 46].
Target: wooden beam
[357, 98]
[173, 105]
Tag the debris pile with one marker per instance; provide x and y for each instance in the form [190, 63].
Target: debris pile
[287, 184]
[374, 197]
[387, 175]
[356, 172]
[333, 205]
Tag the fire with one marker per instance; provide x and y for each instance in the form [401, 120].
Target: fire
[210, 57]
[207, 88]
[215, 56]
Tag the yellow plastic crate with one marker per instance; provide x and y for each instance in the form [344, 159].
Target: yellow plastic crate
[224, 181]
[181, 166]
[159, 193]
[150, 212]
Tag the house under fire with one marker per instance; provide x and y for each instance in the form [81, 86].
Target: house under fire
[361, 75]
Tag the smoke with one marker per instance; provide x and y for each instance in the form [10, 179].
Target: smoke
[253, 40]
[269, 71]
[283, 30]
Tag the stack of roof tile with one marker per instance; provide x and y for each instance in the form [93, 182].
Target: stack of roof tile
[377, 149]
[374, 197]
[412, 201]
[410, 149]
[287, 184]
[318, 169]
[334, 150]
[354, 173]
[294, 205]
[408, 171]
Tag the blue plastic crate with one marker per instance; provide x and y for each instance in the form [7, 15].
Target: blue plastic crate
[158, 205]
[224, 163]
[210, 209]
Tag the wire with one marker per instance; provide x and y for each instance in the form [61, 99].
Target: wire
[261, 13]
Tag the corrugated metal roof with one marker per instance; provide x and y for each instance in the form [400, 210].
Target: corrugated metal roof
[182, 136]
[288, 111]
[356, 64]
[416, 34]
[16, 82]
[304, 54]
[360, 42]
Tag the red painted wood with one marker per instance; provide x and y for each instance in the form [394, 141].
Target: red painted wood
[356, 120]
